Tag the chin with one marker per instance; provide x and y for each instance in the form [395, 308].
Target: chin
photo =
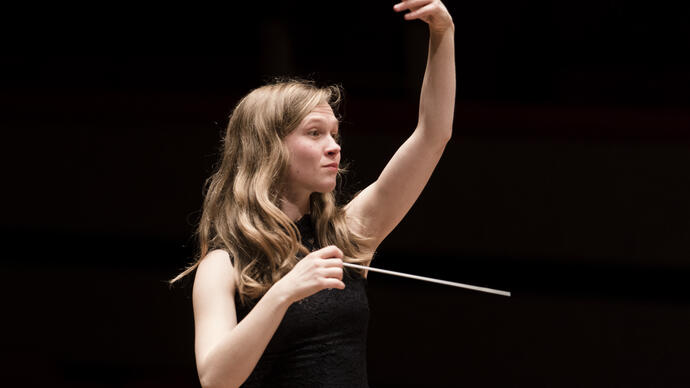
[326, 188]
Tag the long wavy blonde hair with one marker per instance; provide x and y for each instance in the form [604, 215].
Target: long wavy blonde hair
[241, 212]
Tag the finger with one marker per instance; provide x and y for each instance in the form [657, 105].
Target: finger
[410, 4]
[333, 283]
[334, 262]
[329, 252]
[421, 12]
[333, 273]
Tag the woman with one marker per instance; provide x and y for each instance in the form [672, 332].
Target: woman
[263, 315]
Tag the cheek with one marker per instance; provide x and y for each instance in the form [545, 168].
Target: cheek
[310, 151]
[304, 157]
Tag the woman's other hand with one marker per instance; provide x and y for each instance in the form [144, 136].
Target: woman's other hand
[317, 271]
[432, 12]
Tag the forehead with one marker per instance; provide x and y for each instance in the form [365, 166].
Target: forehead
[321, 112]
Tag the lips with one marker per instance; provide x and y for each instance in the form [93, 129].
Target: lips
[334, 165]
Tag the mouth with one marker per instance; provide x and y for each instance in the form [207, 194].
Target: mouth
[332, 165]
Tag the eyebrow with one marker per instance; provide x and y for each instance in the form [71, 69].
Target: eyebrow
[322, 120]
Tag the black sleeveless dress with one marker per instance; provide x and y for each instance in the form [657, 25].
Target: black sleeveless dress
[321, 341]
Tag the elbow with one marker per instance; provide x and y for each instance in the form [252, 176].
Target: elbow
[211, 379]
[447, 132]
[443, 138]
[447, 135]
[206, 382]
[209, 383]
[436, 134]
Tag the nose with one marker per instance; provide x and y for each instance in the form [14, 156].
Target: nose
[333, 147]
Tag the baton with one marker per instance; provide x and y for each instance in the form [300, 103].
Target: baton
[432, 280]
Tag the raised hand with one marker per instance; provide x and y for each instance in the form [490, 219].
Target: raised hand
[318, 270]
[432, 12]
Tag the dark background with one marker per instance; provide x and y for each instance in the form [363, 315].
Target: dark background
[566, 182]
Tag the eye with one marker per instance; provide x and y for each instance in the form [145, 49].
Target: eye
[336, 137]
[313, 132]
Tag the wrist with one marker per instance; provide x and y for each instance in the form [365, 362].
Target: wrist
[450, 28]
[279, 295]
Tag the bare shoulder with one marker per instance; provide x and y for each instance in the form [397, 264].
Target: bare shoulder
[215, 272]
[218, 259]
[213, 300]
[213, 293]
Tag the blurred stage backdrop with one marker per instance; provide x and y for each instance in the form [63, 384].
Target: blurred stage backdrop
[566, 182]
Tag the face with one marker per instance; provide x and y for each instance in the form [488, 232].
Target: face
[314, 152]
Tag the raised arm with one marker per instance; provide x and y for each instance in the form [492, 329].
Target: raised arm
[381, 206]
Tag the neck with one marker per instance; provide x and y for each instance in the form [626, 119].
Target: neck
[295, 206]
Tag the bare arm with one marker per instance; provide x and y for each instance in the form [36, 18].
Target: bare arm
[227, 352]
[382, 205]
